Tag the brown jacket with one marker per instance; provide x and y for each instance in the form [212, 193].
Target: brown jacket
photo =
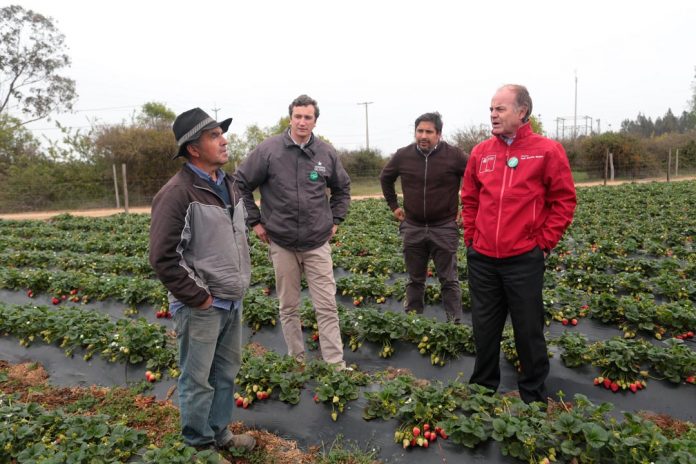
[430, 183]
[198, 246]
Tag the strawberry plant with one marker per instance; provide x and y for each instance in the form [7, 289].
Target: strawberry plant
[620, 361]
[384, 403]
[262, 374]
[574, 345]
[335, 387]
[676, 363]
[259, 309]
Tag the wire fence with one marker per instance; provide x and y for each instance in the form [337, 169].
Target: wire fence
[96, 193]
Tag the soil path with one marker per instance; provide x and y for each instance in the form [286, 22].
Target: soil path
[146, 209]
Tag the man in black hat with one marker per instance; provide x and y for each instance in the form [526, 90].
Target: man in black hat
[199, 250]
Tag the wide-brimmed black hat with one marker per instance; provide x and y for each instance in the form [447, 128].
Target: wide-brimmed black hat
[189, 125]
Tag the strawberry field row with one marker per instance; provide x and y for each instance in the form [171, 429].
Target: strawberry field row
[135, 341]
[127, 289]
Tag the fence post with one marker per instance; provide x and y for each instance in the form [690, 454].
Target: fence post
[676, 164]
[125, 187]
[669, 163]
[611, 166]
[606, 166]
[118, 201]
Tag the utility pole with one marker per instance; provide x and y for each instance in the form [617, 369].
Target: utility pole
[575, 116]
[215, 110]
[367, 130]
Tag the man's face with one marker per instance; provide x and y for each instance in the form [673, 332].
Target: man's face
[506, 116]
[427, 137]
[211, 150]
[302, 122]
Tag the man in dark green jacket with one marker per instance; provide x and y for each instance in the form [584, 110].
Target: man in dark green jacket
[297, 219]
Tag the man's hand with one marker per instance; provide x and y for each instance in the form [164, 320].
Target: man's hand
[399, 214]
[260, 232]
[334, 229]
[207, 303]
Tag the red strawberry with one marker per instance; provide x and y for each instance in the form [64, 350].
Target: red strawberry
[691, 379]
[239, 402]
[690, 334]
[426, 443]
[73, 292]
[633, 387]
[30, 293]
[416, 431]
[426, 427]
[564, 321]
[596, 381]
[443, 435]
[614, 387]
[316, 398]
[607, 383]
[55, 300]
[574, 321]
[64, 297]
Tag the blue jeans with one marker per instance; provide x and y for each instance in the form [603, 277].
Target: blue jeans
[210, 354]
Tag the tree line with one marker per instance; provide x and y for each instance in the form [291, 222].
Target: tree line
[78, 171]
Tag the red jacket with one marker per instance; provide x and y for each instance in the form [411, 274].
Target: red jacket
[508, 210]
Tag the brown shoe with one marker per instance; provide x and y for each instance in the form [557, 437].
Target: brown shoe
[243, 441]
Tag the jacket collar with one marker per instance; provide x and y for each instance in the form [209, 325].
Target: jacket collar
[290, 143]
[437, 148]
[525, 130]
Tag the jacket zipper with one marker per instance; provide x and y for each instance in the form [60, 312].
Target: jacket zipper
[425, 188]
[500, 201]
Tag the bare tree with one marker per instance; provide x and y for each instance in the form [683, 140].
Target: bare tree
[469, 137]
[32, 54]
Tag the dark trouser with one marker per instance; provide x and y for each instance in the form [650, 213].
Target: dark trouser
[441, 243]
[514, 285]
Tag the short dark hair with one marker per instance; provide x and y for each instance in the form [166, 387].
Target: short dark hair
[304, 100]
[522, 98]
[433, 117]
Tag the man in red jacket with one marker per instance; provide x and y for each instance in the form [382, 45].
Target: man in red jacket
[518, 198]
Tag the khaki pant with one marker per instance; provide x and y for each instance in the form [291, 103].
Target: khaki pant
[318, 270]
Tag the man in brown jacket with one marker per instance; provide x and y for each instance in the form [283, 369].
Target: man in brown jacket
[199, 250]
[431, 172]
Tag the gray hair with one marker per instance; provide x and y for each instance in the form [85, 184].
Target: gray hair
[304, 100]
[433, 117]
[522, 98]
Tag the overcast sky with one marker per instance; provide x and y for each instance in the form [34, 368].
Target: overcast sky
[251, 58]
